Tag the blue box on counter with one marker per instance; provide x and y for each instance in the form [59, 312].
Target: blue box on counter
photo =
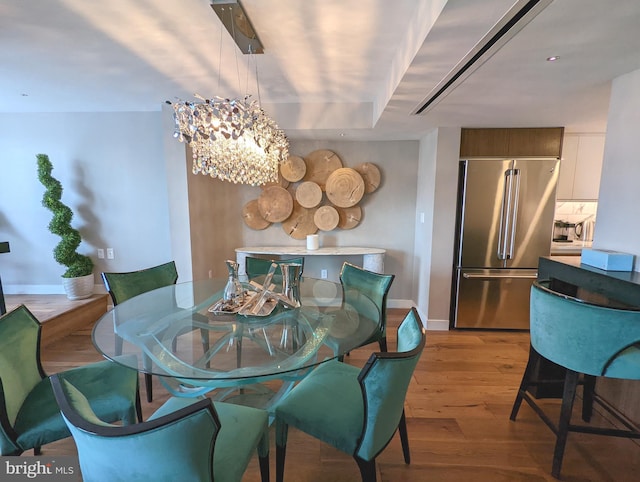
[607, 260]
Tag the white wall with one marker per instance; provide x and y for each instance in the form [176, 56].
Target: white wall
[618, 228]
[112, 170]
[426, 181]
[125, 177]
[437, 194]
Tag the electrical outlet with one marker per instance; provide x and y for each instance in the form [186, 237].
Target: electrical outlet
[100, 253]
[109, 253]
[323, 274]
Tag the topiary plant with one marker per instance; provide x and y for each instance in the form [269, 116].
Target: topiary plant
[65, 252]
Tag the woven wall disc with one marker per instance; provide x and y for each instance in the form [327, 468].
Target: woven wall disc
[252, 217]
[370, 174]
[349, 217]
[345, 187]
[326, 218]
[308, 194]
[300, 223]
[275, 204]
[320, 164]
[293, 169]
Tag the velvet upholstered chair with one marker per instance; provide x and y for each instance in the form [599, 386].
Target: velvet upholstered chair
[184, 440]
[360, 287]
[256, 267]
[588, 341]
[356, 411]
[29, 414]
[123, 286]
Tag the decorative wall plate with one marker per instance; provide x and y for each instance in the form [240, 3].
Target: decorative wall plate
[326, 218]
[293, 169]
[320, 164]
[370, 174]
[275, 204]
[309, 194]
[345, 187]
[252, 217]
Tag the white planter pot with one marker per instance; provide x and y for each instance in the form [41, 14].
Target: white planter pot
[78, 288]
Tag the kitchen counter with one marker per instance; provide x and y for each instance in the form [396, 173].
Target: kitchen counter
[573, 248]
[620, 286]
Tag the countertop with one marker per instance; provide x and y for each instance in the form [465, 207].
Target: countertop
[573, 248]
[623, 286]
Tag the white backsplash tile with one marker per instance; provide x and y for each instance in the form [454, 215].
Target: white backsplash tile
[575, 211]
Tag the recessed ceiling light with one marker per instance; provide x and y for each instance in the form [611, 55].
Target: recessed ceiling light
[553, 58]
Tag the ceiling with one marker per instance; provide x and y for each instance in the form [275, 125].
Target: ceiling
[331, 68]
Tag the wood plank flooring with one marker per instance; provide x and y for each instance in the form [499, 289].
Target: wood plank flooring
[458, 409]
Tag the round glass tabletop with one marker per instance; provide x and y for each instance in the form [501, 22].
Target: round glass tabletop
[180, 332]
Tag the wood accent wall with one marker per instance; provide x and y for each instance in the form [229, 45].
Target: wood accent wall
[511, 142]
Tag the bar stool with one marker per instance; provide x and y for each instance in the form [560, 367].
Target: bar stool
[588, 340]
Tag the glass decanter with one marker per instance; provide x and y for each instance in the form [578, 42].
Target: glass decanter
[233, 291]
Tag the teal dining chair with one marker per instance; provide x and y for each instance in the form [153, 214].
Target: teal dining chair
[256, 267]
[354, 410]
[123, 286]
[184, 440]
[588, 341]
[360, 287]
[29, 415]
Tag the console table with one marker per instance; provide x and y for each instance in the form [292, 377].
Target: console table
[372, 258]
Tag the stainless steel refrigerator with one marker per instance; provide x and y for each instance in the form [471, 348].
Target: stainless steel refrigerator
[504, 224]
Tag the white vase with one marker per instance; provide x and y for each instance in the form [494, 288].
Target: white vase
[78, 288]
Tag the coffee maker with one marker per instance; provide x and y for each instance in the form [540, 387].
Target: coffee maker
[563, 231]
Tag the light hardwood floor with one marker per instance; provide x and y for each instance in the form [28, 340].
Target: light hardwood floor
[458, 409]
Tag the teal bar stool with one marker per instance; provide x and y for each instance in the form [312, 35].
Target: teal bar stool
[589, 341]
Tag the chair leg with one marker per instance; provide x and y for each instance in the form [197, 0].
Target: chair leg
[264, 468]
[148, 387]
[138, 406]
[404, 439]
[37, 450]
[367, 469]
[526, 380]
[282, 430]
[568, 396]
[383, 343]
[588, 389]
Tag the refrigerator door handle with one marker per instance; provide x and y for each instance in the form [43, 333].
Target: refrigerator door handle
[529, 275]
[505, 215]
[514, 213]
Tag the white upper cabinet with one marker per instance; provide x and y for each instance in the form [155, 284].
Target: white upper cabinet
[580, 167]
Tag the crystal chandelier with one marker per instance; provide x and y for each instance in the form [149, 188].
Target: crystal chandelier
[233, 140]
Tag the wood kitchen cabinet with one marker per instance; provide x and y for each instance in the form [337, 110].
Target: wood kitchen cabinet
[508, 142]
[580, 167]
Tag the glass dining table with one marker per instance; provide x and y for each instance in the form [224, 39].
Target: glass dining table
[178, 333]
